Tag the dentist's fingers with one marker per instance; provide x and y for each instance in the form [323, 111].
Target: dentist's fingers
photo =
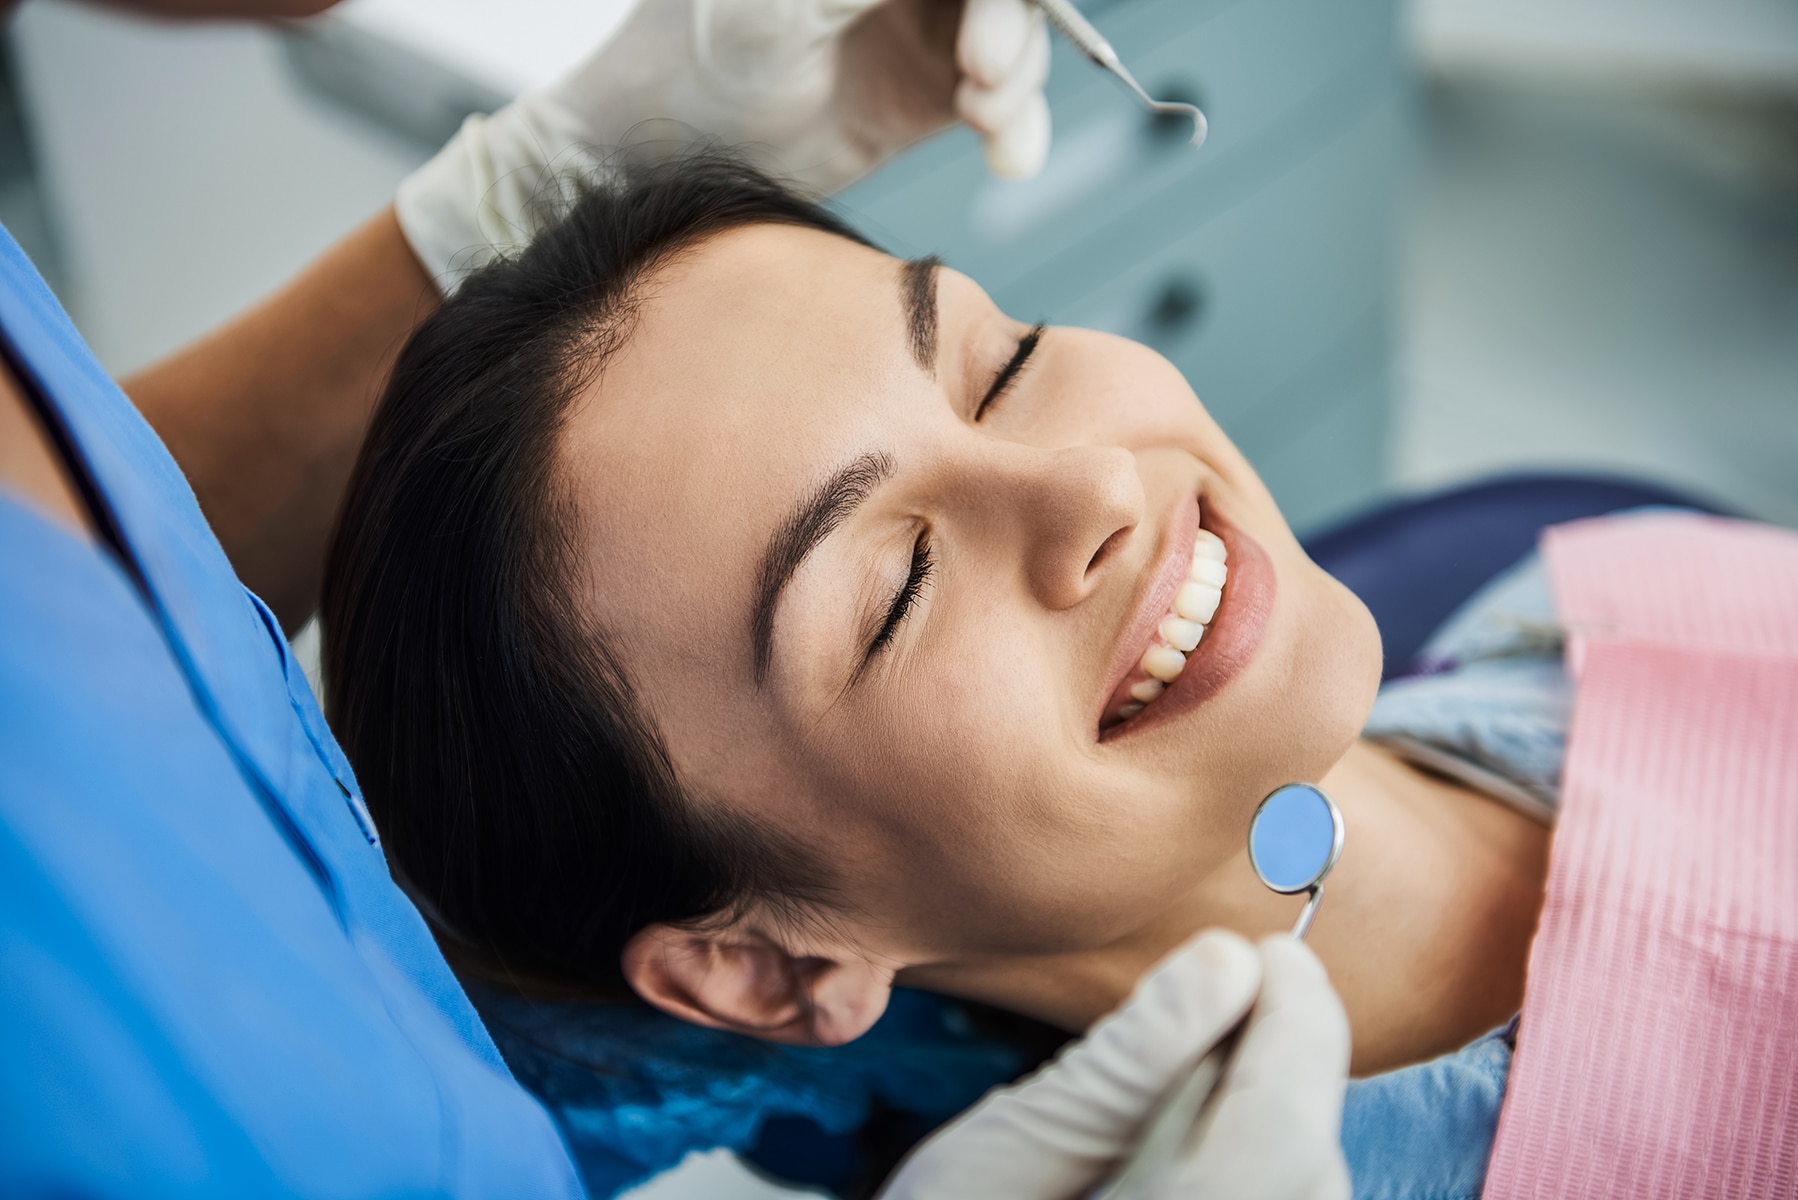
[991, 107]
[1021, 147]
[1298, 1024]
[1056, 1133]
[1011, 114]
[1276, 1127]
[1178, 1011]
[994, 37]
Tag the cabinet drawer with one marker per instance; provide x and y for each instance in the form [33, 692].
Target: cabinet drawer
[1268, 72]
[1326, 457]
[1242, 302]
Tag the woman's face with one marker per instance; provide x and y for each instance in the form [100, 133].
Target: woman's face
[884, 569]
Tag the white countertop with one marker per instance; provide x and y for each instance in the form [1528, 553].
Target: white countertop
[505, 47]
[1741, 43]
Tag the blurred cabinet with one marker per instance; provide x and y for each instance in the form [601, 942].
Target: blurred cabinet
[1264, 265]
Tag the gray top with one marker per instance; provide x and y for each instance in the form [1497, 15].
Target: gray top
[1490, 705]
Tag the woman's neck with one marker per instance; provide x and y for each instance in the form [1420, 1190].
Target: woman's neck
[1425, 928]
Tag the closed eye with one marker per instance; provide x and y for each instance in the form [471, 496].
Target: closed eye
[1009, 373]
[923, 566]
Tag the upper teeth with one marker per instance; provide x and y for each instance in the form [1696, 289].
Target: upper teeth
[1181, 630]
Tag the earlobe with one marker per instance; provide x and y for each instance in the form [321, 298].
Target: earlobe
[739, 979]
[846, 998]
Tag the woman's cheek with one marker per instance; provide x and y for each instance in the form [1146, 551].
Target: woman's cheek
[1331, 660]
[988, 747]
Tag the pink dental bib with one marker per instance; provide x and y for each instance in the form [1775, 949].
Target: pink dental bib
[1658, 1049]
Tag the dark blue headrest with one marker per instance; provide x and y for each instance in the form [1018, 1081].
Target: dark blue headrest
[1414, 561]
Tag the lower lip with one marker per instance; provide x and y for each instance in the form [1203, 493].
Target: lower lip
[1230, 640]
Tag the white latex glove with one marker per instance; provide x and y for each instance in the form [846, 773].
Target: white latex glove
[1277, 1129]
[824, 90]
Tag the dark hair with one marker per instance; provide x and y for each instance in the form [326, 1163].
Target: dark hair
[524, 796]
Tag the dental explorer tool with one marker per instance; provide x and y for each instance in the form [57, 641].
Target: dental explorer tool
[1294, 840]
[1089, 41]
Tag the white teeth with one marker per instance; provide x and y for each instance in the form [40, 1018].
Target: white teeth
[1164, 663]
[1181, 634]
[1197, 602]
[1184, 628]
[1208, 571]
[1145, 690]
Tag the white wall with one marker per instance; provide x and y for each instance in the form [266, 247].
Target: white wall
[1604, 280]
[1731, 45]
[186, 172]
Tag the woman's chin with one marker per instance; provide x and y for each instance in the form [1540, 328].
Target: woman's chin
[1322, 685]
[1348, 679]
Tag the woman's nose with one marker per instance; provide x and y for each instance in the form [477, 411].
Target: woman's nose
[1070, 510]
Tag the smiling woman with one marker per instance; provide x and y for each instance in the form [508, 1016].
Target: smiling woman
[727, 610]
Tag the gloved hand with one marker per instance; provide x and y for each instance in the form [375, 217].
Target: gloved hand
[824, 89]
[1060, 1133]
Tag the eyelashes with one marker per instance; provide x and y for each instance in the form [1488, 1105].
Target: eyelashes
[1009, 373]
[923, 566]
[923, 563]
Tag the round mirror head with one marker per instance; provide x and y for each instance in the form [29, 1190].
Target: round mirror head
[1295, 838]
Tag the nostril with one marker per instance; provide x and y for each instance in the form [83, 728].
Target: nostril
[1106, 548]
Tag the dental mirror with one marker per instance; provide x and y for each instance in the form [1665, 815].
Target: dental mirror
[1294, 840]
[1295, 837]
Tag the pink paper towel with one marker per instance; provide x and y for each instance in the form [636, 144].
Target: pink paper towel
[1658, 1050]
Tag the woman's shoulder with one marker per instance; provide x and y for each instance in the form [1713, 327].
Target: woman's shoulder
[1426, 1132]
[1490, 700]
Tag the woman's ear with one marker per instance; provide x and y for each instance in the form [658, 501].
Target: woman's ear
[738, 978]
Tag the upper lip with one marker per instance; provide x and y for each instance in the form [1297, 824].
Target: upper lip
[1155, 588]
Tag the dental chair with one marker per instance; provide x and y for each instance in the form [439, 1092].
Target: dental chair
[634, 1090]
[1414, 561]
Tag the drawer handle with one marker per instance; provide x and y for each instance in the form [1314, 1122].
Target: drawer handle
[1178, 307]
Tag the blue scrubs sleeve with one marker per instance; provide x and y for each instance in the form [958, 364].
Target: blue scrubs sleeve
[209, 985]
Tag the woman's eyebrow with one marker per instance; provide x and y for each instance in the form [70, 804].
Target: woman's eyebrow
[917, 294]
[815, 519]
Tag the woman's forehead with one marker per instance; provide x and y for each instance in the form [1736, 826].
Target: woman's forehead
[755, 324]
[758, 350]
[749, 280]
[750, 368]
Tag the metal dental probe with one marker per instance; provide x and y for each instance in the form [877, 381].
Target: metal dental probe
[1089, 41]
